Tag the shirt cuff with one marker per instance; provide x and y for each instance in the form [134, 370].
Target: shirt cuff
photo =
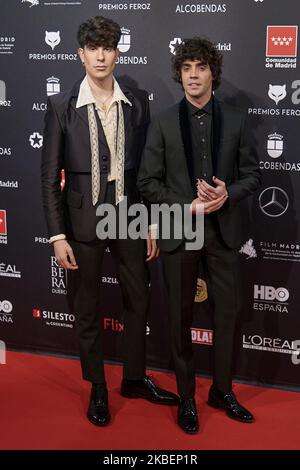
[61, 236]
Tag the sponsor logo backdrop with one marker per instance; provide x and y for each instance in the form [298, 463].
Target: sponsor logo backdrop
[259, 40]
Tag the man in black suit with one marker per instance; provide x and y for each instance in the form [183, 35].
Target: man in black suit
[197, 153]
[96, 132]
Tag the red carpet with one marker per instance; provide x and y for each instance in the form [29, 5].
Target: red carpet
[43, 403]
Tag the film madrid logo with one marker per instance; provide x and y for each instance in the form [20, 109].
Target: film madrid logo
[32, 3]
[270, 299]
[248, 249]
[124, 46]
[281, 47]
[7, 44]
[3, 227]
[52, 39]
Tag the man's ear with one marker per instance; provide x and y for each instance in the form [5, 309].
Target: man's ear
[117, 54]
[80, 52]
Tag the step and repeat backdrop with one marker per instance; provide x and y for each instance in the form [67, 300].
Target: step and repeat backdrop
[38, 58]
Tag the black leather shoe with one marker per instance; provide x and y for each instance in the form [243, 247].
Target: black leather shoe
[146, 388]
[98, 412]
[187, 416]
[228, 402]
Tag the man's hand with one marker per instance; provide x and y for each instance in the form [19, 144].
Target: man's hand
[64, 255]
[206, 192]
[211, 197]
[197, 206]
[152, 248]
[200, 207]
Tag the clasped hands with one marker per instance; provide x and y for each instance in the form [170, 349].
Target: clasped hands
[210, 198]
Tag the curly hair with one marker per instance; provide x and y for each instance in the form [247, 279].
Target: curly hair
[198, 49]
[99, 31]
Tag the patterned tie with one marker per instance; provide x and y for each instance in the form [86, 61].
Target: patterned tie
[94, 153]
[120, 154]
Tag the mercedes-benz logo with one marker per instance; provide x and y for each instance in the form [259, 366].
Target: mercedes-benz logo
[273, 201]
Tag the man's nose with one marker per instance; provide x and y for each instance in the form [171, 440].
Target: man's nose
[100, 55]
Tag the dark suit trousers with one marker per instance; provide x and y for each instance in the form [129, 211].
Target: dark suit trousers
[181, 268]
[133, 276]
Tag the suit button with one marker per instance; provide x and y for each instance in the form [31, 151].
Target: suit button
[104, 158]
[104, 167]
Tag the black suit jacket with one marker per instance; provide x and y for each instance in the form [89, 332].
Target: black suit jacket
[67, 146]
[166, 171]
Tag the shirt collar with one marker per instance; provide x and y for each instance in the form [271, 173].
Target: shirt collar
[193, 110]
[85, 95]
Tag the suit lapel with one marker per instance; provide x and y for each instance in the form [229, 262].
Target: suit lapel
[83, 114]
[217, 133]
[185, 130]
[127, 110]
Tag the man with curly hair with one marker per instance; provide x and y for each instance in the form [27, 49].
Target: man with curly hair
[198, 154]
[96, 132]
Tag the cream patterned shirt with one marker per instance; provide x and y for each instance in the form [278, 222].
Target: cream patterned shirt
[108, 118]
